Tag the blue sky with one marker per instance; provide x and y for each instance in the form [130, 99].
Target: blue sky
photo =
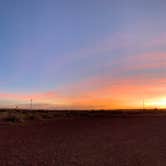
[55, 46]
[35, 33]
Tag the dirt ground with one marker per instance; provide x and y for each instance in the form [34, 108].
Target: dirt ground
[118, 141]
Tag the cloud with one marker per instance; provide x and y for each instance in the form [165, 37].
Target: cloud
[45, 97]
[150, 61]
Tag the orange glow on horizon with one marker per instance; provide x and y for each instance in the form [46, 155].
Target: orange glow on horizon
[100, 95]
[157, 102]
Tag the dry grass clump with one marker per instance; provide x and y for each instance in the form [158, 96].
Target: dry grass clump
[13, 117]
[32, 116]
[21, 116]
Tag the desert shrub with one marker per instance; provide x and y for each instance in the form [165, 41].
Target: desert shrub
[14, 117]
[33, 116]
[29, 117]
[46, 116]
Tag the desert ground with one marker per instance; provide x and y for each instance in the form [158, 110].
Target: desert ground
[137, 140]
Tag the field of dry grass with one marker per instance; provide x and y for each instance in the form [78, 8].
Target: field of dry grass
[82, 139]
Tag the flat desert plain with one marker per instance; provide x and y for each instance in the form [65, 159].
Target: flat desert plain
[85, 141]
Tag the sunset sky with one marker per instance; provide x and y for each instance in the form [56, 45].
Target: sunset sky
[83, 53]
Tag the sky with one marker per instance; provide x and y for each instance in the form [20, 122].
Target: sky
[78, 54]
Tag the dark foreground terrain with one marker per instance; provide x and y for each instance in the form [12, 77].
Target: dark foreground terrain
[85, 141]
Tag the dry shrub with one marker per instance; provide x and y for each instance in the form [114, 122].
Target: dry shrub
[14, 117]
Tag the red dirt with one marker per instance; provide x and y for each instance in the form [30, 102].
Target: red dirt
[136, 141]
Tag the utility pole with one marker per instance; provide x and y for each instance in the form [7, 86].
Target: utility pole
[143, 104]
[31, 104]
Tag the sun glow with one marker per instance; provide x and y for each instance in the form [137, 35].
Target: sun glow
[157, 103]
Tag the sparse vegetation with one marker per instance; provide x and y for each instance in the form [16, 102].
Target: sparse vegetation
[28, 115]
[13, 117]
